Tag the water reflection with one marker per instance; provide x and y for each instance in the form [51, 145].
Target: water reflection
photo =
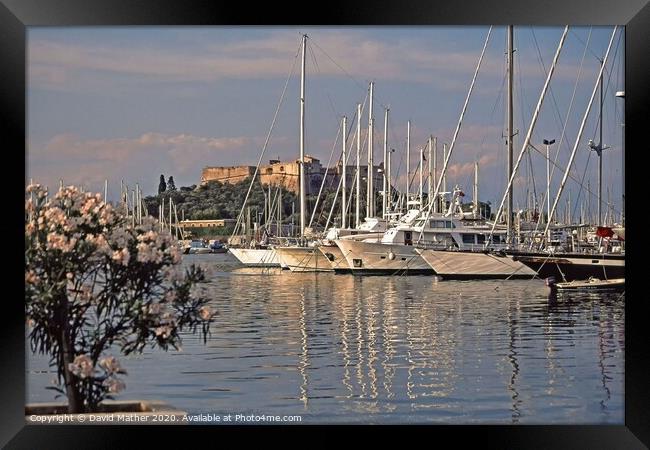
[340, 348]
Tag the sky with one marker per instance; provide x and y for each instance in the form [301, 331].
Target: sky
[131, 103]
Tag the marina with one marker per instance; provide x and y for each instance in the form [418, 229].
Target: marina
[421, 273]
[346, 349]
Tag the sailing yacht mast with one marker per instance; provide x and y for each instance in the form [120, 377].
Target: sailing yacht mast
[420, 192]
[358, 203]
[344, 201]
[434, 199]
[384, 190]
[430, 186]
[302, 139]
[370, 195]
[475, 193]
[509, 131]
[408, 161]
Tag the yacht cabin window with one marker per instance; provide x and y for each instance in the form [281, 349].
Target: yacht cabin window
[437, 223]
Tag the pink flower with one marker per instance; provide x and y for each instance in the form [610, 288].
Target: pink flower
[31, 277]
[30, 228]
[110, 364]
[56, 241]
[82, 366]
[176, 254]
[163, 331]
[205, 312]
[121, 256]
[154, 309]
[113, 385]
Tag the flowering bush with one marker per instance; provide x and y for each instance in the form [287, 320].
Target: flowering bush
[94, 282]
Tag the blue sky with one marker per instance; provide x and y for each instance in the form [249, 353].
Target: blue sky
[132, 103]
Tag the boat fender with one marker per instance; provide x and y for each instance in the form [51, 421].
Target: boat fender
[391, 255]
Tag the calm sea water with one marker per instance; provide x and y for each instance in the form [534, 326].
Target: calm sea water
[347, 349]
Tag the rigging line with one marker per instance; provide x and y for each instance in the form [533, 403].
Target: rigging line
[266, 142]
[496, 103]
[609, 77]
[522, 96]
[550, 88]
[352, 143]
[342, 69]
[320, 191]
[337, 64]
[577, 202]
[532, 175]
[566, 121]
[572, 177]
[313, 58]
[583, 42]
[457, 131]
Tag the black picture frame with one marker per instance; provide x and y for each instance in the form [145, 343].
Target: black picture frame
[16, 15]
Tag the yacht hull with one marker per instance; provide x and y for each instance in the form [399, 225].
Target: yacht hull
[459, 265]
[573, 267]
[333, 253]
[303, 259]
[256, 257]
[382, 259]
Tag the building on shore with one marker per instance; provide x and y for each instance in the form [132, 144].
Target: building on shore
[286, 174]
[207, 223]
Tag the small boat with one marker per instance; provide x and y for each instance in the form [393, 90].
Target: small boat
[198, 247]
[218, 247]
[590, 284]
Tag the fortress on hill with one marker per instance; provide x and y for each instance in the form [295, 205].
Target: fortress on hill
[286, 174]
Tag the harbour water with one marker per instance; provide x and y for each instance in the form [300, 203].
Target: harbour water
[406, 349]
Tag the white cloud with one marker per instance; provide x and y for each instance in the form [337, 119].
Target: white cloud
[139, 159]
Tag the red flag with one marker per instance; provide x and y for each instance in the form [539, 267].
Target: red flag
[604, 232]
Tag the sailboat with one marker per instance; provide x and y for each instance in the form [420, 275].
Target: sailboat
[322, 255]
[571, 266]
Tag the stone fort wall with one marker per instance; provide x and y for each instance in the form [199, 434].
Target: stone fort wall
[287, 175]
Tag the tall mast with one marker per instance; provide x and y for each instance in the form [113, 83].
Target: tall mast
[444, 175]
[358, 204]
[279, 227]
[435, 170]
[600, 152]
[370, 195]
[421, 176]
[548, 183]
[581, 129]
[389, 199]
[302, 138]
[430, 187]
[475, 193]
[344, 201]
[408, 161]
[509, 130]
[385, 190]
[139, 198]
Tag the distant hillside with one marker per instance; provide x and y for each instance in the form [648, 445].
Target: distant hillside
[216, 200]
